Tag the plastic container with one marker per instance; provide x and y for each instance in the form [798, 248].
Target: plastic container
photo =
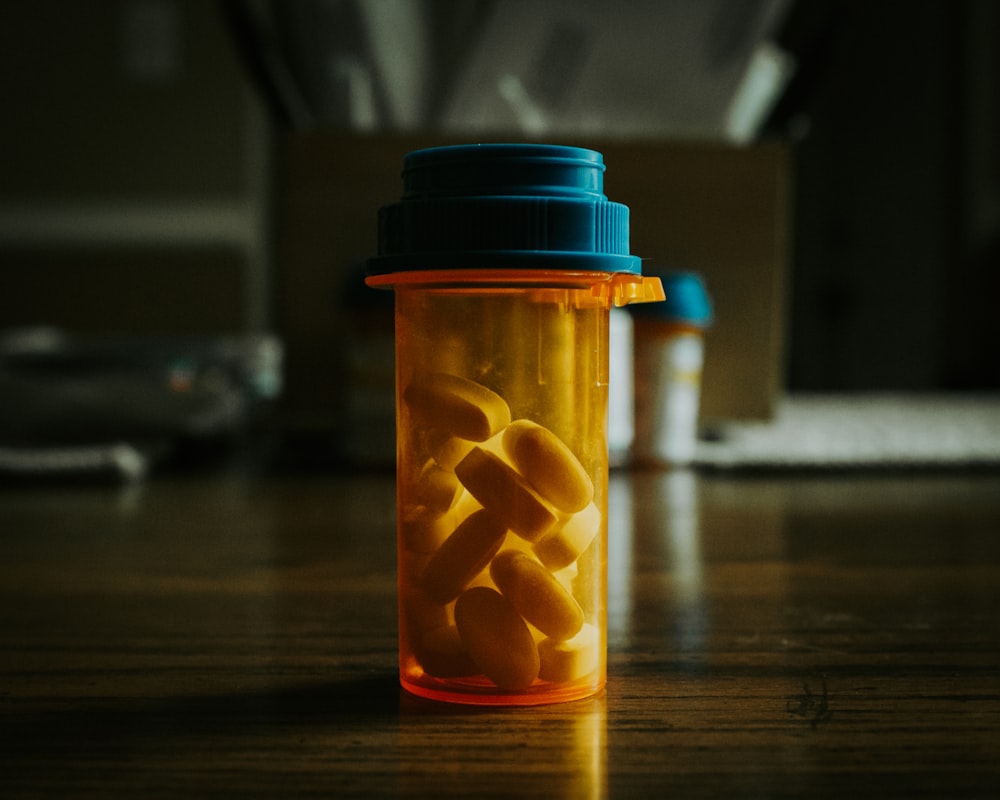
[621, 392]
[505, 260]
[669, 356]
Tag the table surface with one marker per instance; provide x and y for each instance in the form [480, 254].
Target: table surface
[233, 634]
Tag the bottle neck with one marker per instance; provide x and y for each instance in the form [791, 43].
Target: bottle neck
[607, 288]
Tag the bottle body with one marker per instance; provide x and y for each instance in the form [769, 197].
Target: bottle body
[669, 347]
[668, 364]
[621, 394]
[502, 463]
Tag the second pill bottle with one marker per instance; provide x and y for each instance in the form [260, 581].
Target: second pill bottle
[505, 260]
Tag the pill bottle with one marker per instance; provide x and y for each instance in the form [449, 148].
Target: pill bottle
[669, 347]
[505, 260]
[621, 395]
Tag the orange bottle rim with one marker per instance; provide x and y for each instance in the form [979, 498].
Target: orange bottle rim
[612, 288]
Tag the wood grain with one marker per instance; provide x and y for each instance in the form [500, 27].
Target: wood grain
[233, 635]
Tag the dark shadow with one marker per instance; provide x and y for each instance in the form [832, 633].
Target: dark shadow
[365, 701]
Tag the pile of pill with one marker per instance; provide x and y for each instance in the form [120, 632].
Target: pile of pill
[490, 536]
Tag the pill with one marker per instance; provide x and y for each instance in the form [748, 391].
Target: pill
[447, 450]
[463, 555]
[499, 487]
[422, 530]
[421, 613]
[437, 488]
[458, 406]
[548, 465]
[536, 594]
[498, 640]
[511, 542]
[571, 660]
[567, 575]
[443, 654]
[564, 545]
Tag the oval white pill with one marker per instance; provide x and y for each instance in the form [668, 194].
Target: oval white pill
[443, 654]
[422, 530]
[571, 660]
[437, 488]
[499, 487]
[457, 405]
[536, 594]
[497, 638]
[566, 544]
[463, 555]
[548, 465]
[447, 450]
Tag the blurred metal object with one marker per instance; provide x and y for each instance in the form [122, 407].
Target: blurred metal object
[111, 405]
[118, 462]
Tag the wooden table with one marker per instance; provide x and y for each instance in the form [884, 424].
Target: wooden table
[233, 634]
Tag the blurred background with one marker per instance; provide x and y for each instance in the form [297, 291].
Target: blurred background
[188, 190]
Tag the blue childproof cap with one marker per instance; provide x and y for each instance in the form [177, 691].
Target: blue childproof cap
[504, 206]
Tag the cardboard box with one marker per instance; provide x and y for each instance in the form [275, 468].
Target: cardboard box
[724, 212]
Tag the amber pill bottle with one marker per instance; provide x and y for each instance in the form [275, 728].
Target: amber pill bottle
[505, 260]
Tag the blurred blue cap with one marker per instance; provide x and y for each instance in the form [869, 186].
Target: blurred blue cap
[686, 300]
